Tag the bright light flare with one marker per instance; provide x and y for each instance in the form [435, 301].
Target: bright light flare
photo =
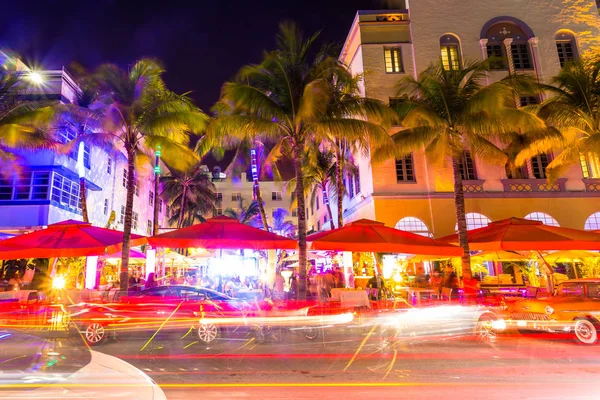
[58, 282]
[36, 78]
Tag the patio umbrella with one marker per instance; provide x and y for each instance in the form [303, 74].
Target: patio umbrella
[371, 236]
[309, 256]
[132, 254]
[69, 238]
[515, 234]
[222, 233]
[569, 256]
[500, 255]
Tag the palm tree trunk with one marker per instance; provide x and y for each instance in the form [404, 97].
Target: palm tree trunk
[182, 207]
[155, 225]
[261, 206]
[326, 201]
[83, 195]
[302, 281]
[459, 204]
[339, 185]
[124, 276]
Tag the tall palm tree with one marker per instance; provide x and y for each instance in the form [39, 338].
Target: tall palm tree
[447, 112]
[191, 193]
[284, 99]
[573, 110]
[281, 225]
[142, 114]
[248, 215]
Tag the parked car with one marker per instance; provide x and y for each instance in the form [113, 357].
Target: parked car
[574, 309]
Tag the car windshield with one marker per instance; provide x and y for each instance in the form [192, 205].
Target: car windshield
[571, 290]
[593, 290]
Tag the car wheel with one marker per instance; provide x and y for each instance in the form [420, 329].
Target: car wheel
[311, 332]
[94, 333]
[484, 329]
[207, 333]
[585, 331]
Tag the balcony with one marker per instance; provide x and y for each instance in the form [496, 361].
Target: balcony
[592, 185]
[473, 186]
[534, 185]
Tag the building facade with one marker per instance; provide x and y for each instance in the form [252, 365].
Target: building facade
[46, 188]
[535, 37]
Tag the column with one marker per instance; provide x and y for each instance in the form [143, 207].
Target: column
[509, 59]
[535, 57]
[484, 55]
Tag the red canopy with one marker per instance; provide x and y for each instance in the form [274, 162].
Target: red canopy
[371, 236]
[64, 239]
[222, 233]
[522, 234]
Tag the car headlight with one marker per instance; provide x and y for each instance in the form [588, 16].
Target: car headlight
[549, 310]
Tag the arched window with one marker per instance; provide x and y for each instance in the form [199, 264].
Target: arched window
[474, 221]
[414, 225]
[450, 52]
[500, 29]
[593, 222]
[566, 47]
[544, 218]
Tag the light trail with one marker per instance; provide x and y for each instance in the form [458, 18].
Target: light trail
[362, 344]
[160, 327]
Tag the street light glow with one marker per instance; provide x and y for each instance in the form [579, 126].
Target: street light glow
[36, 78]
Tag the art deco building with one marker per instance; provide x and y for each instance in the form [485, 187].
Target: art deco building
[534, 37]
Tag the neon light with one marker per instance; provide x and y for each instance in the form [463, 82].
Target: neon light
[91, 267]
[150, 262]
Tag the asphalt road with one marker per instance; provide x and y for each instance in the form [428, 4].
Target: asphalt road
[355, 365]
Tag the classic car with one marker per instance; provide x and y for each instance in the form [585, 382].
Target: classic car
[575, 308]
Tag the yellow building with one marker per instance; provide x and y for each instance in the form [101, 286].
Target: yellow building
[534, 37]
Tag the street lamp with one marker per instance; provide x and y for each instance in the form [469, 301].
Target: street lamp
[36, 78]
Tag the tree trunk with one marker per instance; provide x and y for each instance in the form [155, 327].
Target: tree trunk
[459, 204]
[155, 224]
[83, 195]
[339, 185]
[261, 206]
[302, 276]
[182, 207]
[326, 201]
[128, 223]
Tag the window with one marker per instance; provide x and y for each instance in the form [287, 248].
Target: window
[276, 196]
[539, 164]
[194, 295]
[295, 212]
[318, 225]
[168, 212]
[414, 225]
[520, 55]
[393, 60]
[124, 177]
[350, 187]
[105, 206]
[136, 187]
[593, 290]
[527, 100]
[86, 156]
[122, 216]
[571, 289]
[405, 169]
[467, 167]
[149, 228]
[318, 200]
[357, 181]
[565, 47]
[219, 196]
[325, 218]
[160, 205]
[109, 166]
[65, 136]
[65, 191]
[236, 196]
[27, 186]
[593, 222]
[450, 52]
[495, 54]
[135, 220]
[475, 221]
[219, 211]
[151, 198]
[543, 218]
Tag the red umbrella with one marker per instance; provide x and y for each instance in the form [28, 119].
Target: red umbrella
[371, 236]
[516, 234]
[65, 239]
[222, 233]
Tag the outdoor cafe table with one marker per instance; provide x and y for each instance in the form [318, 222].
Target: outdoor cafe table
[416, 296]
[351, 297]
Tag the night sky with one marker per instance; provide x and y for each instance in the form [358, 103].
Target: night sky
[202, 43]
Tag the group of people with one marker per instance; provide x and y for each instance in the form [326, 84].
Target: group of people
[450, 280]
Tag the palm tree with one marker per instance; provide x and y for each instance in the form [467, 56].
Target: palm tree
[141, 115]
[573, 111]
[284, 100]
[192, 195]
[447, 112]
[24, 125]
[248, 215]
[281, 226]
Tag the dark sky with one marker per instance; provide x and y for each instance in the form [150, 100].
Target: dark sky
[202, 43]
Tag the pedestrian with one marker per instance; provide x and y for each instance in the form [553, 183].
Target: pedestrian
[329, 282]
[450, 279]
[278, 286]
[151, 282]
[435, 282]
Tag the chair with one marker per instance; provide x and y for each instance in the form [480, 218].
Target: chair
[446, 294]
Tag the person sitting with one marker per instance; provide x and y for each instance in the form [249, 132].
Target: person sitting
[435, 282]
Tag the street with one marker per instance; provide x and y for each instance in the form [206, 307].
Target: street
[354, 364]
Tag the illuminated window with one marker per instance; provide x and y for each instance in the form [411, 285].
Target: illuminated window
[544, 218]
[276, 196]
[405, 169]
[87, 156]
[136, 187]
[593, 222]
[495, 53]
[65, 191]
[105, 206]
[393, 60]
[590, 165]
[414, 225]
[135, 220]
[357, 181]
[467, 167]
[539, 164]
[565, 47]
[475, 221]
[519, 49]
[449, 52]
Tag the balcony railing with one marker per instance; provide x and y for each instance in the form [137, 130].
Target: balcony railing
[473, 186]
[592, 185]
[533, 185]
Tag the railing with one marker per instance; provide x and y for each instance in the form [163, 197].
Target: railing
[473, 186]
[533, 185]
[592, 185]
